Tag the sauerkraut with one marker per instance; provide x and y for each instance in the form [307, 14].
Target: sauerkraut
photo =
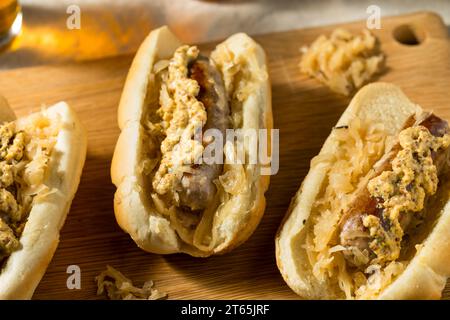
[118, 287]
[343, 62]
[25, 151]
[241, 75]
[358, 146]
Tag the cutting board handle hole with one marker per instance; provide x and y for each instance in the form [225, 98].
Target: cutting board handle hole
[408, 35]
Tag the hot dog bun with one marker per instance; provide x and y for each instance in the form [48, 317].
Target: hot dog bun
[425, 271]
[25, 267]
[136, 212]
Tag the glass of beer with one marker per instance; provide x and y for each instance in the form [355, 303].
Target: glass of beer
[10, 20]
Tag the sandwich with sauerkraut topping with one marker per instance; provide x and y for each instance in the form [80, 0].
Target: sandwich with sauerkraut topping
[41, 159]
[168, 199]
[372, 219]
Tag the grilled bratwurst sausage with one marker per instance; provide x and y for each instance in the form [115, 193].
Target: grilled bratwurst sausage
[353, 233]
[197, 189]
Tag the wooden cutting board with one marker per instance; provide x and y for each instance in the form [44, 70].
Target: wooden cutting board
[303, 110]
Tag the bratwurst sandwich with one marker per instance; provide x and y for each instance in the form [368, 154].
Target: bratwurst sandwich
[166, 199]
[372, 218]
[41, 159]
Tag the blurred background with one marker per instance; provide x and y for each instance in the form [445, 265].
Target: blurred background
[116, 27]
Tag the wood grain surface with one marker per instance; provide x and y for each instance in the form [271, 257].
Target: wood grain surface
[303, 110]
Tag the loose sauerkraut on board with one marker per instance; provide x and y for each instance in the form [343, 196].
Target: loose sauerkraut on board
[118, 287]
[343, 61]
